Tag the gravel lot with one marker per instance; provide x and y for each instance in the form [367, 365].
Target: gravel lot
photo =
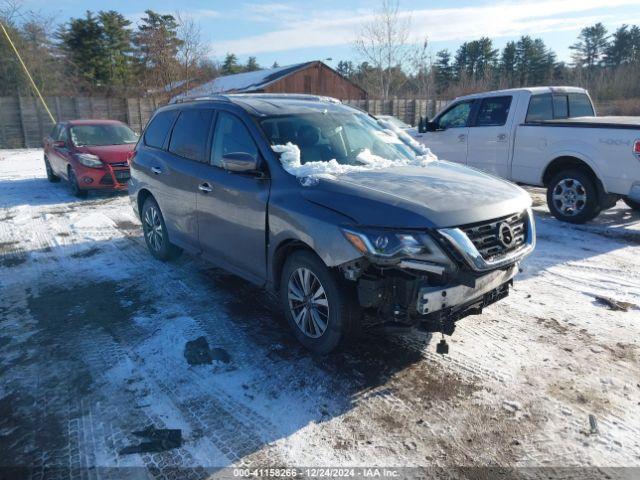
[92, 349]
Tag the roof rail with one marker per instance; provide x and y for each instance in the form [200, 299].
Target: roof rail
[280, 96]
[199, 98]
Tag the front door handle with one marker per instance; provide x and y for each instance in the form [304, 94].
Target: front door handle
[156, 170]
[502, 137]
[462, 138]
[205, 187]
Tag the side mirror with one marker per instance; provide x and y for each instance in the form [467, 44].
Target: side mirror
[431, 127]
[239, 162]
[59, 144]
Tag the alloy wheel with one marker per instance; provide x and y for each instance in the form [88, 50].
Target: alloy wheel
[569, 196]
[153, 228]
[308, 302]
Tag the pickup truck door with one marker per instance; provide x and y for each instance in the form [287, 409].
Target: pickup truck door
[232, 206]
[449, 139]
[490, 136]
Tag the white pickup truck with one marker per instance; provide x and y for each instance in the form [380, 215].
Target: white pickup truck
[544, 136]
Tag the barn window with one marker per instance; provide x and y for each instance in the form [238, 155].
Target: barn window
[307, 84]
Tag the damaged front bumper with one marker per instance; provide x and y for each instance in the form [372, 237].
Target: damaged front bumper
[433, 299]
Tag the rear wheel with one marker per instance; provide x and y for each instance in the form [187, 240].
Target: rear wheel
[632, 204]
[74, 186]
[572, 197]
[319, 307]
[155, 232]
[52, 177]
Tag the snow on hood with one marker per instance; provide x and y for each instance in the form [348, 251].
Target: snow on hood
[290, 157]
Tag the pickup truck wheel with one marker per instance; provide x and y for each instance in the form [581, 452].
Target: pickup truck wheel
[572, 197]
[74, 186]
[319, 308]
[52, 177]
[155, 232]
[632, 204]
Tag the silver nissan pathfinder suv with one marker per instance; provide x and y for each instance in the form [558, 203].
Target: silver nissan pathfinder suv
[333, 210]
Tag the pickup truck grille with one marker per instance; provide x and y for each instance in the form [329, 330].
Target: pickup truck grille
[498, 237]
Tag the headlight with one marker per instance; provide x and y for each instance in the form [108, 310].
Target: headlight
[390, 246]
[89, 160]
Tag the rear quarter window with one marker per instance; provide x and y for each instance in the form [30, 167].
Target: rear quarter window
[580, 105]
[157, 131]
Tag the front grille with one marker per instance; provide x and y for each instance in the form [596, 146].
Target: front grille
[122, 176]
[487, 239]
[106, 179]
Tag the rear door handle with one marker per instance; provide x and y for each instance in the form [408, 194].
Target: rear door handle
[462, 138]
[205, 187]
[156, 170]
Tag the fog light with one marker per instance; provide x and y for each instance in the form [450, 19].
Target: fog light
[87, 180]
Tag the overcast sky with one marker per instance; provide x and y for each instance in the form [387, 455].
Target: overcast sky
[295, 31]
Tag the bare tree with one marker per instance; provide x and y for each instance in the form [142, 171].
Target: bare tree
[383, 44]
[193, 49]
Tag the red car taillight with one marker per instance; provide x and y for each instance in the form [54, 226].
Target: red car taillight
[636, 148]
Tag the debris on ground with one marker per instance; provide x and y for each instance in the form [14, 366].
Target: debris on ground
[197, 352]
[156, 440]
[617, 305]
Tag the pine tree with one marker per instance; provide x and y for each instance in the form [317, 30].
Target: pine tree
[117, 45]
[252, 65]
[508, 64]
[230, 65]
[444, 70]
[590, 48]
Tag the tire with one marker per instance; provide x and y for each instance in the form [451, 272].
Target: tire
[74, 186]
[572, 196]
[155, 232]
[52, 177]
[318, 328]
[632, 204]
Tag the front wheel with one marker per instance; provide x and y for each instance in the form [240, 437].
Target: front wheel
[74, 186]
[632, 204]
[155, 232]
[572, 197]
[319, 307]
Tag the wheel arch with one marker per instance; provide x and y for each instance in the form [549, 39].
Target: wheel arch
[284, 249]
[567, 162]
[143, 194]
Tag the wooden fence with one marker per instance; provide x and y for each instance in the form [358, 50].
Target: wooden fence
[24, 122]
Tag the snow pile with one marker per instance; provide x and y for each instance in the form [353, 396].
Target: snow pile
[290, 158]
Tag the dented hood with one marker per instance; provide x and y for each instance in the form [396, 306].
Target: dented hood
[442, 194]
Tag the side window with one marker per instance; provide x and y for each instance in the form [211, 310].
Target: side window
[580, 105]
[493, 111]
[560, 106]
[540, 108]
[157, 130]
[191, 133]
[457, 116]
[63, 135]
[231, 136]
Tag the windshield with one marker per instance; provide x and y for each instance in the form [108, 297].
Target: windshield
[96, 135]
[343, 137]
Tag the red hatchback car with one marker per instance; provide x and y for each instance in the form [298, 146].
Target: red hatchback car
[90, 154]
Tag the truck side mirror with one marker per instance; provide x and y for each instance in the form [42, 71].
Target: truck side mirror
[431, 127]
[59, 144]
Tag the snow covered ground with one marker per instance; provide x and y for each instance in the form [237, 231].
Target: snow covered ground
[93, 333]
